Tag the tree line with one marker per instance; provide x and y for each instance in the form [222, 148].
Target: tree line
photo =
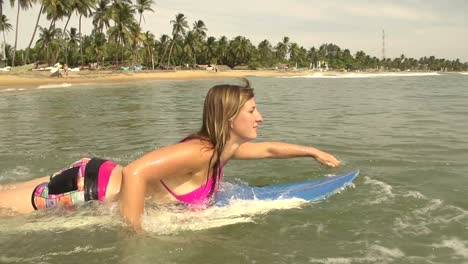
[117, 39]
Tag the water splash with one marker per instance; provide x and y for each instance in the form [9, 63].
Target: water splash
[166, 220]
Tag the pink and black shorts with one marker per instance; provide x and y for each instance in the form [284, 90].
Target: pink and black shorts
[85, 180]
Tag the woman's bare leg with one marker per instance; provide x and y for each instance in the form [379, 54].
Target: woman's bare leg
[17, 196]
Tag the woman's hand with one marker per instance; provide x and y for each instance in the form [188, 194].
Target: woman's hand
[327, 159]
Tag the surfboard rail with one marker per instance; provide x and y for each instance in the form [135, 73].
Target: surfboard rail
[309, 190]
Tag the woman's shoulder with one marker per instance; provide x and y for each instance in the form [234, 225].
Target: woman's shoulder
[197, 146]
[188, 155]
[191, 150]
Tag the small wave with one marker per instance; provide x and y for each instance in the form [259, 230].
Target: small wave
[92, 215]
[77, 250]
[160, 220]
[374, 254]
[169, 221]
[18, 173]
[51, 86]
[459, 247]
[382, 192]
[11, 89]
[432, 213]
[361, 75]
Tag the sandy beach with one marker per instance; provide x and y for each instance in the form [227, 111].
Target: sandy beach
[35, 78]
[32, 79]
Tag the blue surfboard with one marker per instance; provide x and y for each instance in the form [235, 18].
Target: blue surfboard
[310, 190]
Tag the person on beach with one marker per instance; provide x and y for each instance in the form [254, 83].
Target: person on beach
[188, 172]
[56, 71]
[66, 70]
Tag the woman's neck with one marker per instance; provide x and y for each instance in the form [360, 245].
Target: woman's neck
[230, 149]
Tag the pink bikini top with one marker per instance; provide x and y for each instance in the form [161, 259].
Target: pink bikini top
[200, 195]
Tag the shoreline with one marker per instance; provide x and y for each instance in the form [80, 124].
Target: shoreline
[33, 79]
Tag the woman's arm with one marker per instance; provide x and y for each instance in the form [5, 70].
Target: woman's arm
[280, 150]
[174, 160]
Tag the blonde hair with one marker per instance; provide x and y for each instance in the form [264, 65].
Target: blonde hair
[222, 104]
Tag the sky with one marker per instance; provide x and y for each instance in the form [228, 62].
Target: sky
[415, 28]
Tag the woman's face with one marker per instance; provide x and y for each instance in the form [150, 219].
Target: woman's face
[246, 122]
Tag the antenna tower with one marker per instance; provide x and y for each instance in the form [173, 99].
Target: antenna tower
[383, 44]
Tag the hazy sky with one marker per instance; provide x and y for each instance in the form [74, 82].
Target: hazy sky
[415, 28]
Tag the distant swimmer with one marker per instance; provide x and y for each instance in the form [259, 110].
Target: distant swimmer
[188, 172]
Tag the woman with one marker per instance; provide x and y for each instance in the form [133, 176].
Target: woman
[188, 172]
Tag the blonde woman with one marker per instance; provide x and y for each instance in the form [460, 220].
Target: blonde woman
[188, 172]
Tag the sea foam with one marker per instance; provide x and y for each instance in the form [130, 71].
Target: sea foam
[361, 75]
[52, 86]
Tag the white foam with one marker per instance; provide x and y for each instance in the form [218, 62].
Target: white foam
[382, 192]
[373, 254]
[361, 75]
[44, 257]
[386, 252]
[458, 246]
[52, 86]
[54, 219]
[169, 221]
[161, 220]
[433, 214]
[11, 89]
[464, 73]
[415, 194]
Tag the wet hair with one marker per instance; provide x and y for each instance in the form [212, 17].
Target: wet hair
[222, 104]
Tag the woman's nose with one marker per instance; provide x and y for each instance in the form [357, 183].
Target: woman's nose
[259, 118]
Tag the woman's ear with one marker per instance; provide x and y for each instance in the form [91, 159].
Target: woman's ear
[231, 122]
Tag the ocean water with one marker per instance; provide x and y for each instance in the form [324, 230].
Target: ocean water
[408, 135]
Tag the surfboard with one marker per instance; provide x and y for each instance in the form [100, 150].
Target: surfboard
[309, 190]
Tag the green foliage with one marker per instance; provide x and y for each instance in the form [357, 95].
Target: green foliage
[117, 38]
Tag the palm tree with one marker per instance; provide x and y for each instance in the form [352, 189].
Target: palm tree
[102, 15]
[1, 8]
[4, 26]
[46, 40]
[199, 28]
[199, 31]
[282, 50]
[148, 43]
[73, 41]
[120, 33]
[265, 51]
[163, 44]
[142, 6]
[210, 50]
[241, 50]
[82, 8]
[312, 56]
[34, 32]
[294, 53]
[188, 48]
[136, 39]
[222, 49]
[56, 9]
[179, 27]
[22, 4]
